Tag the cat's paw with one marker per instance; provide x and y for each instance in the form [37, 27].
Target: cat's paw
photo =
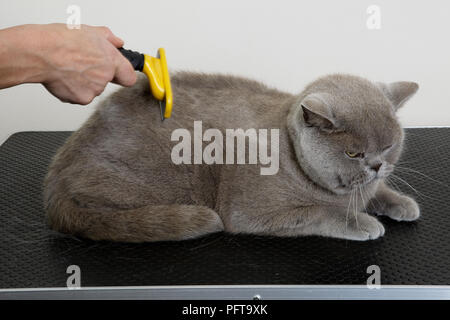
[405, 209]
[365, 227]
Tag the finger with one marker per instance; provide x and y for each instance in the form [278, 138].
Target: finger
[124, 74]
[111, 37]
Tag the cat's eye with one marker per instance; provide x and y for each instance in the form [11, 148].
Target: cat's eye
[351, 154]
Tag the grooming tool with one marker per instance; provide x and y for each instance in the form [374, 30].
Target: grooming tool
[158, 76]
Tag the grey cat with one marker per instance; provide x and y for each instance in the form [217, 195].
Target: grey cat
[338, 141]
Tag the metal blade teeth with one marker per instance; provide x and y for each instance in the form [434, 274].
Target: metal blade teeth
[162, 108]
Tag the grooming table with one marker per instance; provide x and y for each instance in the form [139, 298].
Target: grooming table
[414, 257]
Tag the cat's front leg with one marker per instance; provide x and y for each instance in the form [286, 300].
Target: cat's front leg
[336, 222]
[394, 204]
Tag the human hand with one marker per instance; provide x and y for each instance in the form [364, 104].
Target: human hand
[75, 65]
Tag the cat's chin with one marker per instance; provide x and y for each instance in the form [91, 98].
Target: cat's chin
[347, 190]
[343, 189]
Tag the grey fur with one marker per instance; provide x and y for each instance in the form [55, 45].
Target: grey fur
[114, 179]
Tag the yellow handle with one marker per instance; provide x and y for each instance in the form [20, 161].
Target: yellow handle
[158, 76]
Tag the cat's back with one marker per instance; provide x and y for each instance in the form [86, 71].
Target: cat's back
[216, 82]
[218, 100]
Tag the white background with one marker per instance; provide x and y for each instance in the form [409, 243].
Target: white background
[286, 44]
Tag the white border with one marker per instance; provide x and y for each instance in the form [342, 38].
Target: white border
[240, 292]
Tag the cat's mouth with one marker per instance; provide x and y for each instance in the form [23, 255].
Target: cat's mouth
[355, 182]
[362, 178]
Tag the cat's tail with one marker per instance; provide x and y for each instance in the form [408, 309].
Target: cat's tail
[148, 223]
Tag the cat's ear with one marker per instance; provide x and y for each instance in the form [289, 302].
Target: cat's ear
[316, 113]
[399, 92]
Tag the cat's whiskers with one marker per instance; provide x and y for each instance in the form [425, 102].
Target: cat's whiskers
[405, 170]
[420, 194]
[362, 197]
[355, 209]
[369, 199]
[348, 209]
[402, 180]
[393, 184]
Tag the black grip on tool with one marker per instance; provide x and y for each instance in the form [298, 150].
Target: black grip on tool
[136, 58]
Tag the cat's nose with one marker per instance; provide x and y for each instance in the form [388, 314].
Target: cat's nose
[376, 167]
